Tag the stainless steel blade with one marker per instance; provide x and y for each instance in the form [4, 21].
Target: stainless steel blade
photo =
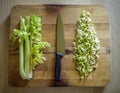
[60, 36]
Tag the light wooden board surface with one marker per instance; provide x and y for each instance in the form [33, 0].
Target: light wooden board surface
[44, 74]
[114, 15]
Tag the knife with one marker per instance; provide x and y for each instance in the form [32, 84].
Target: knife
[60, 49]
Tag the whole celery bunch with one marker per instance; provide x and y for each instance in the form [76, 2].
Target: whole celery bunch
[30, 44]
[86, 45]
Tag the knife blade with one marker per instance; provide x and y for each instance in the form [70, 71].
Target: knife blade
[60, 49]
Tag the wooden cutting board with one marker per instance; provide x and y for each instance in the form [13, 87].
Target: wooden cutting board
[43, 75]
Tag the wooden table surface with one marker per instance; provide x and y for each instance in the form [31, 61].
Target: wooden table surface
[112, 87]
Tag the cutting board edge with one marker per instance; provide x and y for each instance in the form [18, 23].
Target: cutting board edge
[48, 86]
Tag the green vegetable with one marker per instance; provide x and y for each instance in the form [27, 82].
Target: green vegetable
[86, 45]
[30, 44]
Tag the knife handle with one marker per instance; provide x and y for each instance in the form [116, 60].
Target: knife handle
[58, 67]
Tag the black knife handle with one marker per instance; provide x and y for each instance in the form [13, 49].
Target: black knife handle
[58, 67]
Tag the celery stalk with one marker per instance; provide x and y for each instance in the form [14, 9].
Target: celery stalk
[21, 58]
[30, 45]
[27, 57]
